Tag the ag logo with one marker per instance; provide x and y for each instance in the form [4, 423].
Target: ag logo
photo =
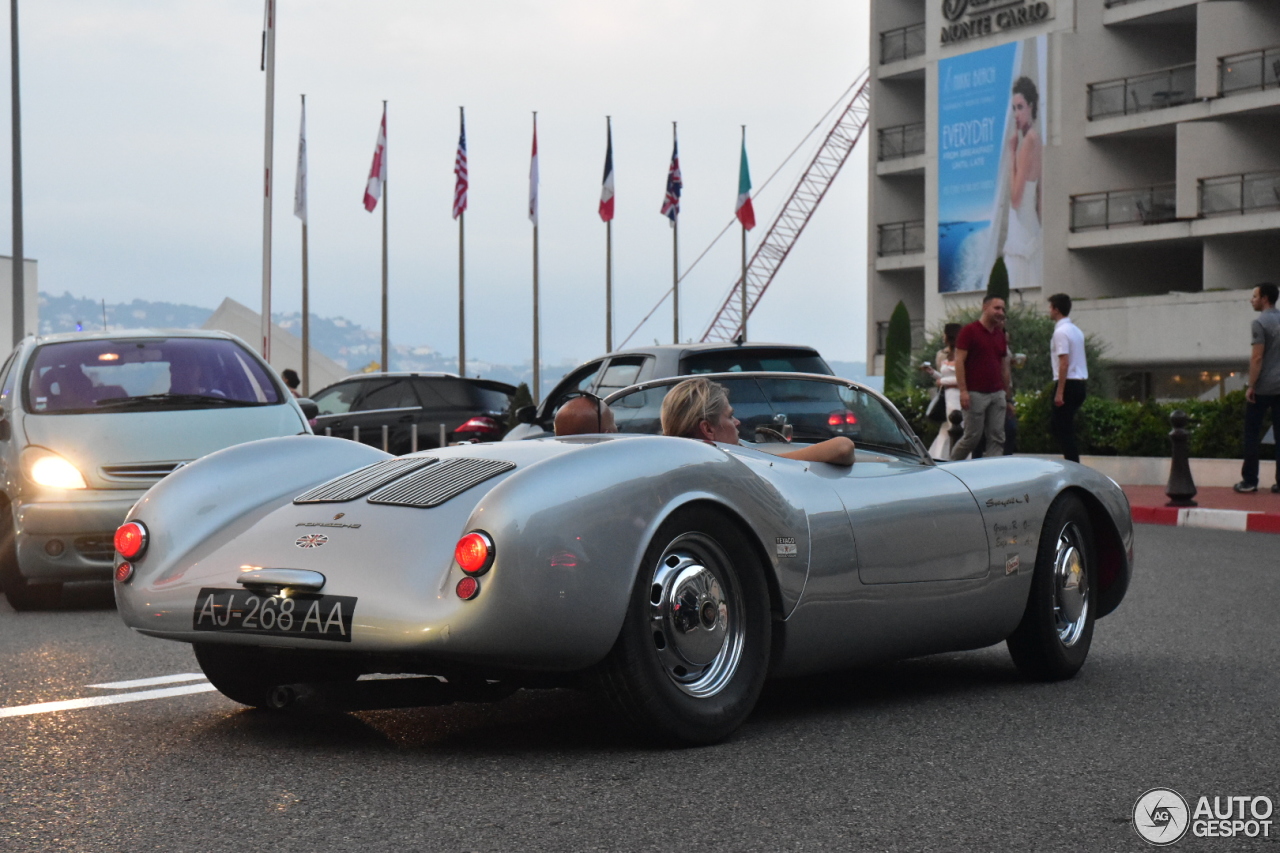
[311, 540]
[1161, 816]
[953, 9]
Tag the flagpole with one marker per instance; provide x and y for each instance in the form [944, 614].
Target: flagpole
[269, 61]
[306, 299]
[675, 264]
[744, 256]
[537, 374]
[608, 259]
[384, 365]
[462, 298]
[19, 270]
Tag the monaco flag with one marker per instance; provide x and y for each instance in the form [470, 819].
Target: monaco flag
[606, 190]
[378, 171]
[744, 211]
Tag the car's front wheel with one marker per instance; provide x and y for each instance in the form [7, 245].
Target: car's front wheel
[1053, 638]
[693, 652]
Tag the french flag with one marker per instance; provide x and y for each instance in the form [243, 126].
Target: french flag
[606, 190]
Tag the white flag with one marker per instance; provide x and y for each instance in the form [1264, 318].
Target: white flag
[300, 186]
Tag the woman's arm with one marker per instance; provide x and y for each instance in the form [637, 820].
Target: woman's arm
[835, 451]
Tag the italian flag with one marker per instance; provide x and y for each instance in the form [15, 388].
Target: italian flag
[744, 211]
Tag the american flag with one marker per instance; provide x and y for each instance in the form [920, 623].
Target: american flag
[460, 169]
[671, 204]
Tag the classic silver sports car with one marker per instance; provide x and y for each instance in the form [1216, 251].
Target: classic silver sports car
[674, 574]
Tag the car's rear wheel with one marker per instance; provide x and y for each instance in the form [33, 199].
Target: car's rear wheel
[693, 652]
[248, 674]
[21, 594]
[1053, 639]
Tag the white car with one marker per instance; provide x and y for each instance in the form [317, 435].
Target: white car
[90, 421]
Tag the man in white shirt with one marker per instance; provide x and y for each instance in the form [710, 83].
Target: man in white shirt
[1066, 353]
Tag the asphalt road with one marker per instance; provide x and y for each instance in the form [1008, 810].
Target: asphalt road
[952, 752]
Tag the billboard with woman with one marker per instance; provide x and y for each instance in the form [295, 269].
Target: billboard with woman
[991, 126]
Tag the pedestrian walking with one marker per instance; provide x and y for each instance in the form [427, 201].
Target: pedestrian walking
[1066, 354]
[982, 375]
[1264, 384]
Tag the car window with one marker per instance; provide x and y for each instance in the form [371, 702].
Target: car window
[5, 387]
[620, 373]
[396, 394]
[748, 359]
[491, 399]
[337, 399]
[145, 373]
[580, 380]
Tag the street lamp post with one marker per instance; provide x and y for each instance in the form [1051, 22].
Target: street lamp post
[19, 280]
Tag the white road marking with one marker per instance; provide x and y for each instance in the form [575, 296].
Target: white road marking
[115, 699]
[150, 682]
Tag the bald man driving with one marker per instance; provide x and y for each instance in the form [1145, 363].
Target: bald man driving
[584, 416]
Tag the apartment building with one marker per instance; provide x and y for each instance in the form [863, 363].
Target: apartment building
[1126, 152]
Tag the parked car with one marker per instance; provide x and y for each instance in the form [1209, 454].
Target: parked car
[469, 409]
[608, 373]
[90, 421]
[674, 575]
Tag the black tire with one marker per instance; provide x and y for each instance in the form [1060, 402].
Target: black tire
[248, 674]
[691, 659]
[21, 594]
[1053, 638]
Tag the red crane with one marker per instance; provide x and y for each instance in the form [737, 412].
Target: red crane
[795, 214]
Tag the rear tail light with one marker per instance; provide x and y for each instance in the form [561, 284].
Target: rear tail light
[480, 424]
[467, 588]
[474, 553]
[124, 572]
[131, 540]
[841, 418]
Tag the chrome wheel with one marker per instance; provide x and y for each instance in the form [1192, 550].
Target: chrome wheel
[1070, 585]
[696, 615]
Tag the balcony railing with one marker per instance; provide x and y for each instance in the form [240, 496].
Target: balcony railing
[902, 43]
[917, 335]
[903, 141]
[1249, 72]
[1141, 93]
[1146, 206]
[1240, 194]
[901, 238]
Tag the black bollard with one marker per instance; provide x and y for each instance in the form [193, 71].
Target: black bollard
[1181, 488]
[956, 430]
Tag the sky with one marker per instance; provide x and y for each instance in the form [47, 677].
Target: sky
[143, 154]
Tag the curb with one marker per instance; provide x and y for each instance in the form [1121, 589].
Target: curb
[1213, 519]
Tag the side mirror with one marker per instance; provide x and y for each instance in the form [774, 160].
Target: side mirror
[309, 408]
[6, 429]
[526, 414]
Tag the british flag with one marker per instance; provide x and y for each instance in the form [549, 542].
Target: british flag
[671, 203]
[460, 169]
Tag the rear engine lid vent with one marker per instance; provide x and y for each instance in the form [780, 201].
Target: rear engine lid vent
[362, 481]
[440, 483]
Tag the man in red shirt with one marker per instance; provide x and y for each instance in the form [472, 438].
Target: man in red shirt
[982, 373]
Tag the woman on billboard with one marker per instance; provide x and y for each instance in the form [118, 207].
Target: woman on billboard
[1022, 238]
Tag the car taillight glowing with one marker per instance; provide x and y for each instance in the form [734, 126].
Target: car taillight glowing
[124, 572]
[131, 540]
[480, 424]
[474, 553]
[467, 588]
[841, 418]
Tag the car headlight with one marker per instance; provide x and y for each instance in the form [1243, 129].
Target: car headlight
[46, 468]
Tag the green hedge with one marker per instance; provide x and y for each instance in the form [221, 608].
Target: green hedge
[1109, 427]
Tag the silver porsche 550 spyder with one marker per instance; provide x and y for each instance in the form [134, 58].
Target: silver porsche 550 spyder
[673, 574]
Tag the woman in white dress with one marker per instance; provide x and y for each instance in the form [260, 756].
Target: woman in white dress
[945, 378]
[1022, 238]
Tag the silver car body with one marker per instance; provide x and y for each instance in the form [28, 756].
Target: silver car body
[894, 557]
[120, 455]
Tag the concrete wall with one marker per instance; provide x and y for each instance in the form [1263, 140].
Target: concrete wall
[1190, 329]
[31, 303]
[1228, 27]
[1241, 261]
[1229, 146]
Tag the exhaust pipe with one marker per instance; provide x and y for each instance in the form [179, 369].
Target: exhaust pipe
[382, 694]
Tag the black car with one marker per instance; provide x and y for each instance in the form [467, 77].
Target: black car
[608, 373]
[466, 409]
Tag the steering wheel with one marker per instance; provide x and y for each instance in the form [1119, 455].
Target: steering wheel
[769, 434]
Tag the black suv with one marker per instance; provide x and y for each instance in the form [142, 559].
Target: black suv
[467, 409]
[608, 373]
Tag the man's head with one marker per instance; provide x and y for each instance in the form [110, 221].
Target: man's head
[290, 377]
[1059, 306]
[699, 408]
[992, 311]
[584, 415]
[1264, 296]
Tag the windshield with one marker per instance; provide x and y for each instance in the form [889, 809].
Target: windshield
[813, 409]
[145, 374]
[741, 360]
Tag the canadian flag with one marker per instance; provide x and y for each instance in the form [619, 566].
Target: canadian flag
[378, 171]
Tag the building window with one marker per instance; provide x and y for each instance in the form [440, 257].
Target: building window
[901, 238]
[1155, 90]
[905, 140]
[1143, 206]
[902, 43]
[1249, 72]
[1246, 193]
